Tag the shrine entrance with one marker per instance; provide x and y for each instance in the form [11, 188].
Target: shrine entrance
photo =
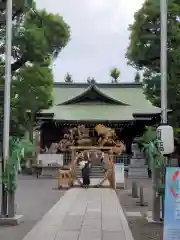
[77, 156]
[106, 144]
[109, 175]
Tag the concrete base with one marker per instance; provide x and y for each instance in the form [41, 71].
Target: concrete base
[148, 216]
[150, 220]
[145, 204]
[16, 220]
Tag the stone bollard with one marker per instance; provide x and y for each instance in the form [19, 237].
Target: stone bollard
[125, 178]
[125, 174]
[134, 190]
[141, 196]
[141, 201]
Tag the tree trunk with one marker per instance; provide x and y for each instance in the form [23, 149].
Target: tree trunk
[31, 126]
[31, 134]
[29, 160]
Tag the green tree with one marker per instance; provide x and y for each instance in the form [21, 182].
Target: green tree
[137, 77]
[19, 7]
[115, 73]
[68, 78]
[143, 52]
[37, 36]
[32, 91]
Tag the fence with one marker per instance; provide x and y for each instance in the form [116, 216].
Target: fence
[66, 158]
[123, 158]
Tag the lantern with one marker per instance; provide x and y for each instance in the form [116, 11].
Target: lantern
[165, 135]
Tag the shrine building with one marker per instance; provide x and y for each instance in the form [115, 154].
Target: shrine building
[122, 107]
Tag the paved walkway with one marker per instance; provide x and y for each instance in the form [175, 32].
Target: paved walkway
[83, 214]
[96, 181]
[34, 198]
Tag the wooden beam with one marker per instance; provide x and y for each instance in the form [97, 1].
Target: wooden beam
[90, 148]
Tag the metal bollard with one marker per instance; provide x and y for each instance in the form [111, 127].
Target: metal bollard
[134, 190]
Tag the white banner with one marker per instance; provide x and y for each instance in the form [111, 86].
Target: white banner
[119, 175]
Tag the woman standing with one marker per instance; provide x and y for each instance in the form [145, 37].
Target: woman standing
[86, 174]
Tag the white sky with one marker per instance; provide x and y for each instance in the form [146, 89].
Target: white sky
[99, 37]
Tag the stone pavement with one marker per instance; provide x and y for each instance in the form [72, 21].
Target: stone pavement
[83, 214]
[96, 181]
[34, 198]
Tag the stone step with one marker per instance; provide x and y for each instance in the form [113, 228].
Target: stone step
[92, 170]
[91, 176]
[96, 172]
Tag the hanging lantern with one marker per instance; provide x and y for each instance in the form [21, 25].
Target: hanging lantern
[165, 135]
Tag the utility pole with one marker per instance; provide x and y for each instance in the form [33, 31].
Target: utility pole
[164, 120]
[163, 67]
[4, 195]
[7, 97]
[164, 9]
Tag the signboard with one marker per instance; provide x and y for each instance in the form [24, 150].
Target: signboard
[165, 136]
[119, 175]
[172, 204]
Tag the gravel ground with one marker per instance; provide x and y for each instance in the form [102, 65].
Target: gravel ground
[34, 198]
[140, 227]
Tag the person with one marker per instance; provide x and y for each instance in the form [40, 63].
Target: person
[86, 174]
[102, 158]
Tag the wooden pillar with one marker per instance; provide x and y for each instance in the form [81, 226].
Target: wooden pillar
[73, 166]
[113, 173]
[73, 158]
[111, 176]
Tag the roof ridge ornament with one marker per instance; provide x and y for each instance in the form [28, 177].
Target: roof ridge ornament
[92, 83]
